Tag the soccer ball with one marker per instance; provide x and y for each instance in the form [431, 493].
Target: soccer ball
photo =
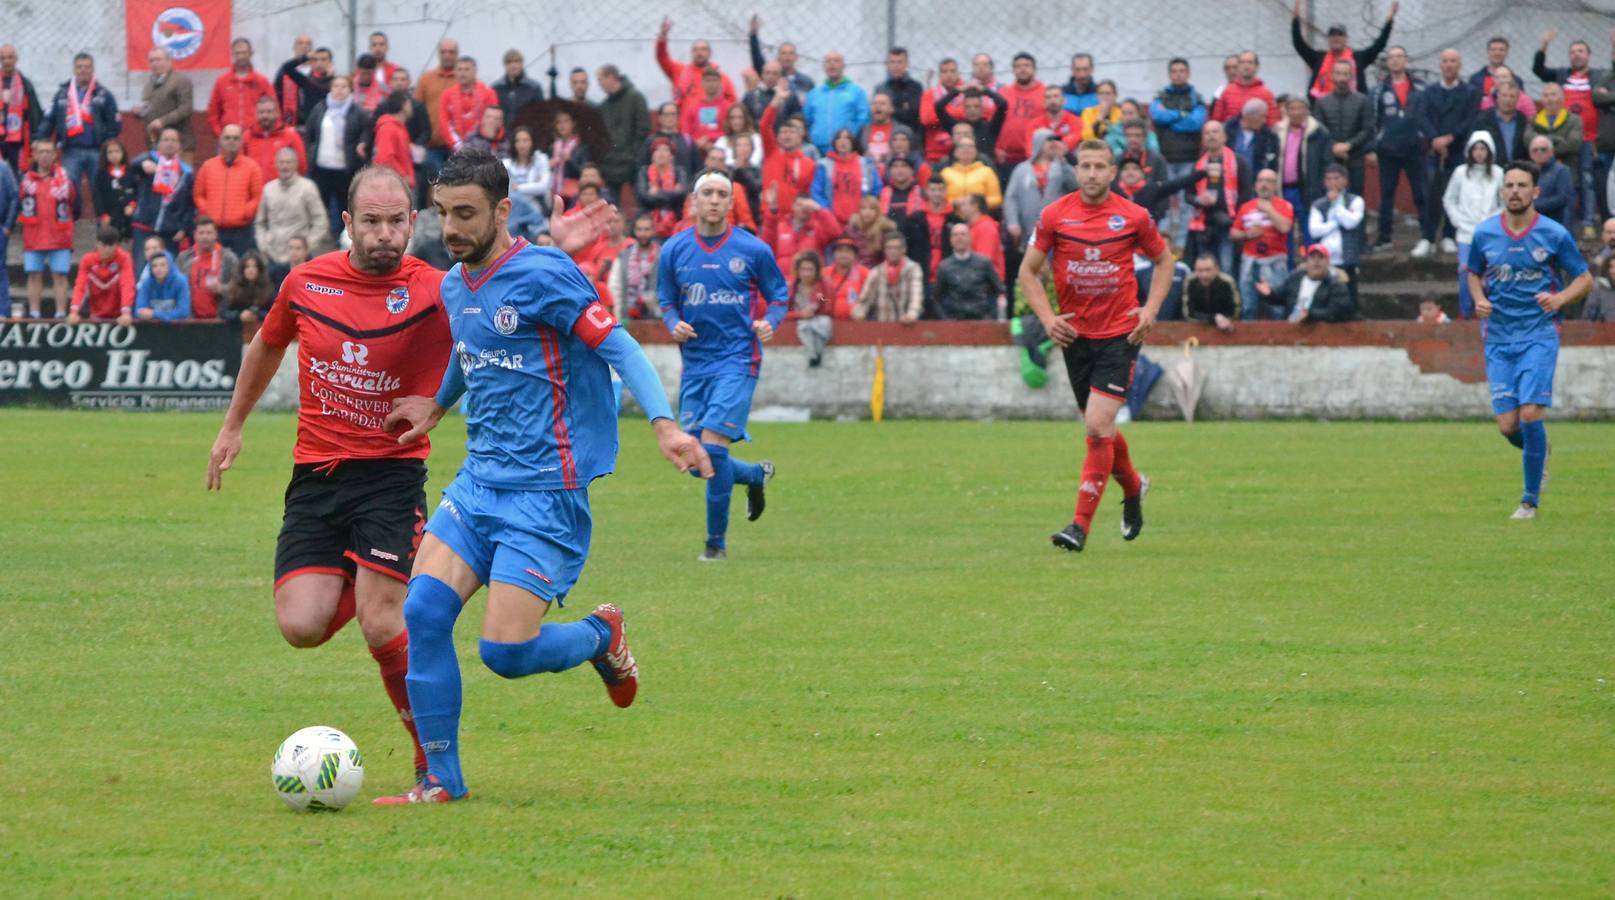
[317, 769]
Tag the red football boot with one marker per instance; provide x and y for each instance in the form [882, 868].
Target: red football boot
[616, 666]
[430, 790]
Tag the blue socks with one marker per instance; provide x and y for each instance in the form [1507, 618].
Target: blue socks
[559, 646]
[1516, 438]
[719, 489]
[1535, 456]
[430, 611]
[745, 472]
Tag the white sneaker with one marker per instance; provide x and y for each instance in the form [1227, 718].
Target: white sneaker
[1449, 246]
[1526, 511]
[1422, 249]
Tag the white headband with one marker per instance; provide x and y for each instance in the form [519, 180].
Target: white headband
[713, 174]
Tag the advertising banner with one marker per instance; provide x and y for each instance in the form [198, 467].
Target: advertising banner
[102, 365]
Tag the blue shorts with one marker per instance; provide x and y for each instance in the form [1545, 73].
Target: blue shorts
[36, 260]
[1521, 373]
[535, 540]
[720, 403]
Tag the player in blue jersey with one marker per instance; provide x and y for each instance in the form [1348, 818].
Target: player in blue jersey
[722, 296]
[1519, 266]
[532, 345]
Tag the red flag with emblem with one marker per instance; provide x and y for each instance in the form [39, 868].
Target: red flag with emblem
[196, 33]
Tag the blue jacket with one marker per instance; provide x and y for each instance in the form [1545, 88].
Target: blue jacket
[1179, 113]
[9, 197]
[169, 300]
[1554, 199]
[1401, 128]
[830, 108]
[1450, 111]
[103, 122]
[154, 216]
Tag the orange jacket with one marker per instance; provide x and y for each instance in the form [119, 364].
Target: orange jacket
[429, 93]
[263, 147]
[228, 192]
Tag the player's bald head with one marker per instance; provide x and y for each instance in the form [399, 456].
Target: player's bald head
[380, 185]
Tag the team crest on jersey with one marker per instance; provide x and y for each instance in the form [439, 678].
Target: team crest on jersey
[398, 300]
[737, 265]
[1117, 223]
[505, 320]
[1540, 254]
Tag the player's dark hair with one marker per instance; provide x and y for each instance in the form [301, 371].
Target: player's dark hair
[945, 61]
[372, 172]
[1336, 169]
[1498, 39]
[467, 59]
[936, 178]
[85, 56]
[107, 236]
[240, 40]
[898, 51]
[1526, 166]
[474, 165]
[1026, 56]
[365, 61]
[1083, 56]
[895, 236]
[204, 221]
[1175, 61]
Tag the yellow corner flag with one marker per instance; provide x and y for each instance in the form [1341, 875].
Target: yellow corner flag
[877, 388]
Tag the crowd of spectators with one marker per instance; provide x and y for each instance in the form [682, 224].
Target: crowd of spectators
[890, 202]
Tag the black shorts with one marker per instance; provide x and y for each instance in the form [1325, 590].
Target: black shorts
[1104, 365]
[351, 513]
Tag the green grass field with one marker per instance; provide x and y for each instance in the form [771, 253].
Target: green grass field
[1329, 667]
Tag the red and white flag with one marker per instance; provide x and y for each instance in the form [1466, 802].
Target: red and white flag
[196, 33]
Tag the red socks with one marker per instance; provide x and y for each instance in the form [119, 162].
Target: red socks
[393, 658]
[1123, 470]
[345, 609]
[1096, 469]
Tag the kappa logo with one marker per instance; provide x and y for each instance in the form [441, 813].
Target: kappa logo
[469, 310]
[382, 554]
[398, 300]
[1117, 223]
[322, 289]
[505, 320]
[737, 265]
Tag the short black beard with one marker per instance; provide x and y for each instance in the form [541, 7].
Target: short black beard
[480, 249]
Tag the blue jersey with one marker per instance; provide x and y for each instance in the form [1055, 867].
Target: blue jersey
[720, 288]
[540, 409]
[1517, 267]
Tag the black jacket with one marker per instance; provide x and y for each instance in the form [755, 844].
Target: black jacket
[1331, 303]
[967, 288]
[1492, 125]
[1350, 120]
[907, 95]
[310, 90]
[513, 95]
[986, 129]
[113, 196]
[179, 215]
[1400, 128]
[1264, 150]
[359, 129]
[35, 116]
[103, 114]
[1203, 303]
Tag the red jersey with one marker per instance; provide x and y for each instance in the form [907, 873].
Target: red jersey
[1025, 107]
[1262, 240]
[362, 341]
[1091, 247]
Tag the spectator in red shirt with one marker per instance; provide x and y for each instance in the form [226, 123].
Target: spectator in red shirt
[210, 266]
[378, 51]
[844, 279]
[235, 94]
[984, 237]
[48, 205]
[786, 168]
[808, 226]
[1231, 102]
[1025, 98]
[1056, 118]
[268, 136]
[462, 104]
[701, 119]
[1263, 223]
[686, 78]
[662, 188]
[105, 288]
[937, 139]
[392, 136]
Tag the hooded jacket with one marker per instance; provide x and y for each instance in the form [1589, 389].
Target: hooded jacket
[1474, 193]
[1024, 199]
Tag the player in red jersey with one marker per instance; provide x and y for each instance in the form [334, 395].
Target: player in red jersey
[1093, 235]
[370, 327]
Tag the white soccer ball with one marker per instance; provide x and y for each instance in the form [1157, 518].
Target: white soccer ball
[317, 769]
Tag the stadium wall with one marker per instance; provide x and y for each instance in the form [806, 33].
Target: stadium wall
[969, 370]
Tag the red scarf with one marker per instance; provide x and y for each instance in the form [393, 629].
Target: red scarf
[166, 179]
[1324, 84]
[462, 112]
[914, 203]
[78, 108]
[15, 103]
[892, 274]
[1230, 186]
[667, 221]
[55, 187]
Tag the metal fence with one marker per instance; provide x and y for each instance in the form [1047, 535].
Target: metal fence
[1130, 42]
